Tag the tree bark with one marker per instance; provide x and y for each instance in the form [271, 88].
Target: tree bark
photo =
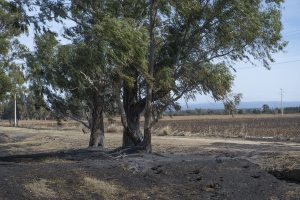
[97, 129]
[131, 133]
[149, 95]
[102, 136]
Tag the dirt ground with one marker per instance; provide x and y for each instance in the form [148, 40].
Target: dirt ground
[53, 164]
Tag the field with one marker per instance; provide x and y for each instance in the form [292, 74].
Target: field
[245, 126]
[256, 157]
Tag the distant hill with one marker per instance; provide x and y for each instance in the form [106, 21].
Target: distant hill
[243, 105]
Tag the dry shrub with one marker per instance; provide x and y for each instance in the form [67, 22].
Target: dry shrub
[111, 120]
[113, 128]
[41, 189]
[164, 131]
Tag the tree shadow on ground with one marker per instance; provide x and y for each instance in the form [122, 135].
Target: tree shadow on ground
[74, 155]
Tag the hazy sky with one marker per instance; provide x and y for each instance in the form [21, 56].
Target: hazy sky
[259, 84]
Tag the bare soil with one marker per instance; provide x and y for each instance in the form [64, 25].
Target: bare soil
[55, 164]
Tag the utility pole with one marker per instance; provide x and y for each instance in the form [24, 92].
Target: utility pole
[281, 102]
[15, 98]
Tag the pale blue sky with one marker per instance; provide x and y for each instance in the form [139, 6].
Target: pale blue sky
[259, 84]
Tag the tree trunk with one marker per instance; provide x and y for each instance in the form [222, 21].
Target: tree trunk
[102, 137]
[131, 134]
[147, 145]
[97, 129]
[149, 95]
[131, 111]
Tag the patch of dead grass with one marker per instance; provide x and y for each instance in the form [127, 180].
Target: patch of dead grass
[113, 128]
[56, 160]
[164, 131]
[292, 195]
[107, 189]
[110, 190]
[41, 189]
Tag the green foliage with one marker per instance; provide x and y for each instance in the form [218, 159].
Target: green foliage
[58, 71]
[266, 108]
[124, 45]
[12, 25]
[231, 102]
[11, 20]
[78, 78]
[197, 42]
[152, 53]
[28, 108]
[5, 84]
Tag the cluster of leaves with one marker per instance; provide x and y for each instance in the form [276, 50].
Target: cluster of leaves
[76, 78]
[11, 25]
[198, 40]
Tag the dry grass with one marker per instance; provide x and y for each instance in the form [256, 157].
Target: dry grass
[108, 190]
[292, 195]
[56, 160]
[43, 124]
[40, 189]
[31, 141]
[113, 128]
[35, 141]
[247, 116]
[164, 131]
[260, 126]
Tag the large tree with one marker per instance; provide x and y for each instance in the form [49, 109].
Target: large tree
[190, 48]
[79, 79]
[70, 78]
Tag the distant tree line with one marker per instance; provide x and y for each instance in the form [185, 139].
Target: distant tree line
[28, 108]
[264, 110]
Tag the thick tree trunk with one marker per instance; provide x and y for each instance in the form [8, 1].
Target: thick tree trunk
[131, 134]
[131, 112]
[97, 129]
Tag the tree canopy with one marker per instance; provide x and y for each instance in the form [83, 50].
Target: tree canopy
[11, 25]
